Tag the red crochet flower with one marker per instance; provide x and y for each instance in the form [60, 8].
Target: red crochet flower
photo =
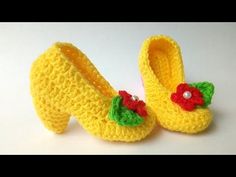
[187, 97]
[132, 103]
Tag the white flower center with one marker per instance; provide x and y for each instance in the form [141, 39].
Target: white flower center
[134, 98]
[187, 94]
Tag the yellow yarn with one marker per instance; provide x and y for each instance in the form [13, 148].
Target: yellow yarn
[161, 67]
[64, 82]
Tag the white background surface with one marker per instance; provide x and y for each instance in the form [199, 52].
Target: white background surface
[209, 53]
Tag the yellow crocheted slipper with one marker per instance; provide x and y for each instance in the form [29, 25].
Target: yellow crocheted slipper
[64, 82]
[179, 106]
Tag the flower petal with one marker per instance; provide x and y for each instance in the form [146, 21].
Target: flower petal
[124, 94]
[174, 97]
[188, 106]
[130, 104]
[141, 110]
[181, 88]
[198, 100]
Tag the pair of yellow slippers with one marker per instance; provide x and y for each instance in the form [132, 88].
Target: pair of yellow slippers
[65, 83]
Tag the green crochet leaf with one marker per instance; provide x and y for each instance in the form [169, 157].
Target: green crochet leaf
[122, 115]
[207, 90]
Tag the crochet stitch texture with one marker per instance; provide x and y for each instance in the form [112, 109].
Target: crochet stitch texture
[64, 82]
[161, 67]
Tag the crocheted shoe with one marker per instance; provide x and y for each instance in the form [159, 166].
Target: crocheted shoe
[179, 106]
[64, 82]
